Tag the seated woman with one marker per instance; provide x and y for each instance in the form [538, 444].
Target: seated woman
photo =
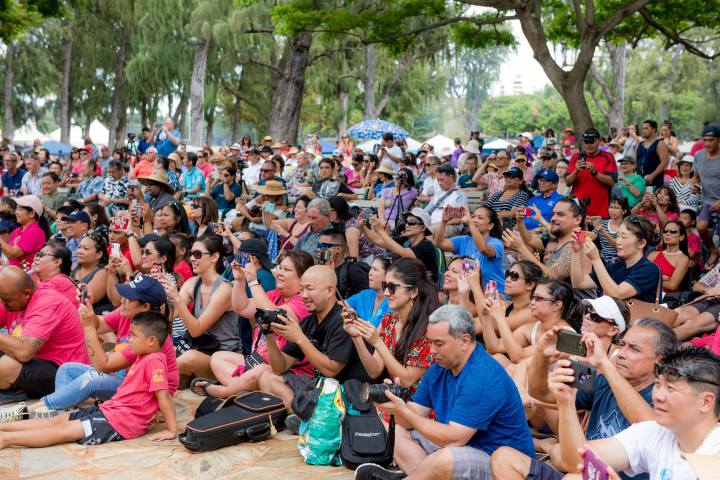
[670, 258]
[457, 281]
[400, 345]
[358, 245]
[204, 212]
[290, 229]
[700, 316]
[76, 382]
[99, 221]
[520, 281]
[51, 268]
[553, 303]
[371, 304]
[212, 325]
[634, 276]
[168, 219]
[26, 240]
[92, 257]
[659, 207]
[235, 373]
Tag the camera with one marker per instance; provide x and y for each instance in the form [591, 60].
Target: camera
[131, 137]
[376, 148]
[376, 392]
[268, 317]
[326, 255]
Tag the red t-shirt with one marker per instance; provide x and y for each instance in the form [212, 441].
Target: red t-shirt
[132, 409]
[62, 284]
[587, 186]
[30, 239]
[184, 270]
[697, 146]
[120, 324]
[50, 316]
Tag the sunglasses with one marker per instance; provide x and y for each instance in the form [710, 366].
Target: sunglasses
[673, 374]
[512, 275]
[595, 318]
[412, 223]
[671, 232]
[392, 287]
[195, 205]
[197, 254]
[266, 170]
[147, 252]
[42, 254]
[538, 298]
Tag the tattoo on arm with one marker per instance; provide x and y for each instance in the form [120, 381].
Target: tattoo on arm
[35, 343]
[90, 349]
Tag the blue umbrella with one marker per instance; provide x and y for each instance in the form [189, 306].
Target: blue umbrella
[58, 148]
[374, 129]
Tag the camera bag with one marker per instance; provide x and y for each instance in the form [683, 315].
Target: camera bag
[364, 439]
[252, 416]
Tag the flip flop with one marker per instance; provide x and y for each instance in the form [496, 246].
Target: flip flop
[202, 384]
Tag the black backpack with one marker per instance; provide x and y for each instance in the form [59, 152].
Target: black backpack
[343, 285]
[364, 439]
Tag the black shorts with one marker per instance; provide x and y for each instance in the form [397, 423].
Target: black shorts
[37, 378]
[542, 471]
[95, 426]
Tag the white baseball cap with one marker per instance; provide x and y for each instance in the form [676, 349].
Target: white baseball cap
[606, 307]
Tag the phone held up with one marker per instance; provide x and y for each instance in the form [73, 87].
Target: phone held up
[593, 467]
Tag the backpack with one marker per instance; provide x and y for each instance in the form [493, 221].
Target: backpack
[364, 439]
[343, 286]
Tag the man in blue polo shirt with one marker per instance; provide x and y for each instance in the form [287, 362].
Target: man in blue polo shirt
[546, 199]
[477, 409]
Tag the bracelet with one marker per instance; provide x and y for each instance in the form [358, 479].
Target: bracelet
[253, 283]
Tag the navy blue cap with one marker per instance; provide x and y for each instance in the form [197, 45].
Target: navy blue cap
[711, 130]
[514, 172]
[145, 289]
[549, 175]
[78, 216]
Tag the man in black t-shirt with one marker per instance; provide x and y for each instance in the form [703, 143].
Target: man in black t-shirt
[320, 341]
[328, 186]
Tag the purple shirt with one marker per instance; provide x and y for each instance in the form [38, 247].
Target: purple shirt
[387, 196]
[456, 154]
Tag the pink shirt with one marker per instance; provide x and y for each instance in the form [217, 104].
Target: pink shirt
[120, 324]
[207, 169]
[132, 409]
[354, 178]
[30, 239]
[63, 285]
[51, 317]
[710, 341]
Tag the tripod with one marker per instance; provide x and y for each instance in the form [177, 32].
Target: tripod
[399, 202]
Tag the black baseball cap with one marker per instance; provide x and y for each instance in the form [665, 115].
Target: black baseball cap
[514, 172]
[711, 130]
[259, 249]
[591, 135]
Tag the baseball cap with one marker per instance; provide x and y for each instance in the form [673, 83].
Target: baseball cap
[626, 160]
[606, 307]
[266, 148]
[711, 130]
[78, 216]
[548, 175]
[235, 146]
[32, 202]
[686, 158]
[421, 214]
[145, 289]
[259, 249]
[86, 148]
[514, 172]
[591, 135]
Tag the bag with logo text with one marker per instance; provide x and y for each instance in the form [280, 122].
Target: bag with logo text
[364, 439]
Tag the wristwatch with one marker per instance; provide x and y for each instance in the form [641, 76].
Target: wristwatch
[131, 234]
[253, 283]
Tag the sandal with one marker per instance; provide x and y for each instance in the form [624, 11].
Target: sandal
[201, 383]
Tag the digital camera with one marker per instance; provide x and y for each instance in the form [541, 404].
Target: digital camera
[268, 317]
[376, 392]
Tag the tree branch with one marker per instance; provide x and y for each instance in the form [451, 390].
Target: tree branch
[603, 86]
[674, 37]
[579, 19]
[604, 111]
[273, 68]
[617, 16]
[449, 21]
[328, 53]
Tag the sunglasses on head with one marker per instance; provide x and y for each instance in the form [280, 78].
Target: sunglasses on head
[512, 275]
[673, 374]
[197, 254]
[392, 287]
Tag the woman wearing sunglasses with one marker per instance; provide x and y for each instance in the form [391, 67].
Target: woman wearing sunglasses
[671, 260]
[212, 325]
[92, 257]
[204, 211]
[520, 281]
[461, 273]
[400, 344]
[51, 268]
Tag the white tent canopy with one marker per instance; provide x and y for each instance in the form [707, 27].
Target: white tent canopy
[497, 144]
[367, 146]
[442, 145]
[98, 133]
[26, 134]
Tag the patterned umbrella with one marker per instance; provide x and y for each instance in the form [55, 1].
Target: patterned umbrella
[374, 129]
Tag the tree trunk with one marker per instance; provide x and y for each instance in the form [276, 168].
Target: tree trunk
[181, 109]
[210, 122]
[8, 121]
[675, 59]
[616, 113]
[344, 108]
[143, 114]
[197, 92]
[369, 81]
[236, 116]
[118, 83]
[287, 96]
[65, 88]
[122, 126]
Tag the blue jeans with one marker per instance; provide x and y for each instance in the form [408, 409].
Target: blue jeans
[76, 382]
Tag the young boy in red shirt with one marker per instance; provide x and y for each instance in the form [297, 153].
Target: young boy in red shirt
[128, 414]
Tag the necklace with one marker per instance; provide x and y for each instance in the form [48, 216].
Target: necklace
[665, 252]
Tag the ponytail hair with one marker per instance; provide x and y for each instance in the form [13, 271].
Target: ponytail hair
[563, 292]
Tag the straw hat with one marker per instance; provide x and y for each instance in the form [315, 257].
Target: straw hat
[383, 168]
[157, 176]
[271, 187]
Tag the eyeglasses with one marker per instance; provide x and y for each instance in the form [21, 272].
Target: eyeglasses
[197, 254]
[673, 374]
[195, 205]
[42, 254]
[264, 170]
[594, 317]
[512, 275]
[226, 175]
[671, 232]
[392, 287]
[538, 298]
[147, 252]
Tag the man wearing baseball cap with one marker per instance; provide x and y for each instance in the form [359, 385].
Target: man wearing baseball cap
[707, 165]
[592, 173]
[77, 224]
[545, 199]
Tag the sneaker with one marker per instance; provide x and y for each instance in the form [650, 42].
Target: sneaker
[45, 412]
[292, 423]
[14, 414]
[10, 396]
[371, 471]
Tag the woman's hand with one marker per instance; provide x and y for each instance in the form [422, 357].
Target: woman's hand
[85, 310]
[375, 223]
[463, 283]
[122, 265]
[367, 332]
[513, 240]
[591, 251]
[349, 317]
[494, 306]
[251, 270]
[238, 272]
[170, 290]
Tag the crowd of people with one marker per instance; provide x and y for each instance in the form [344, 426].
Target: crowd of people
[129, 275]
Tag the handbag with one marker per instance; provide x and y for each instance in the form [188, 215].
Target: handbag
[640, 309]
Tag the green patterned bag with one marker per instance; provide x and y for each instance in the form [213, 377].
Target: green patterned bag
[321, 436]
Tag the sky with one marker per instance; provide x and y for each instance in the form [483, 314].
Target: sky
[520, 65]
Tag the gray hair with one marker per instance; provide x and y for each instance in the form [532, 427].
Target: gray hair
[665, 338]
[151, 149]
[322, 205]
[459, 320]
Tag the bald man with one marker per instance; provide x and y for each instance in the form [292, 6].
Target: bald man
[320, 340]
[45, 332]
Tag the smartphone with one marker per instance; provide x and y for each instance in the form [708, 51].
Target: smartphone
[594, 219]
[158, 269]
[649, 189]
[468, 265]
[584, 377]
[582, 236]
[242, 259]
[115, 250]
[83, 294]
[528, 212]
[491, 288]
[593, 467]
[570, 342]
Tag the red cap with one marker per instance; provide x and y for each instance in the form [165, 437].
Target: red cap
[87, 148]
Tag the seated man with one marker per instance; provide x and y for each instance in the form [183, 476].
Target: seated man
[686, 400]
[77, 224]
[318, 212]
[477, 408]
[320, 338]
[449, 195]
[352, 275]
[45, 333]
[622, 395]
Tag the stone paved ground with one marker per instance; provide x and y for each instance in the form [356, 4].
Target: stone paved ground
[139, 459]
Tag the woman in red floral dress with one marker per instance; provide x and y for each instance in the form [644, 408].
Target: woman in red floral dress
[400, 343]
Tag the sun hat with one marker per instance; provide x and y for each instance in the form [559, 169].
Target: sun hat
[32, 202]
[272, 187]
[383, 168]
[421, 214]
[157, 176]
[473, 146]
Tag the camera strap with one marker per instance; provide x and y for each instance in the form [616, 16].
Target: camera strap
[437, 204]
